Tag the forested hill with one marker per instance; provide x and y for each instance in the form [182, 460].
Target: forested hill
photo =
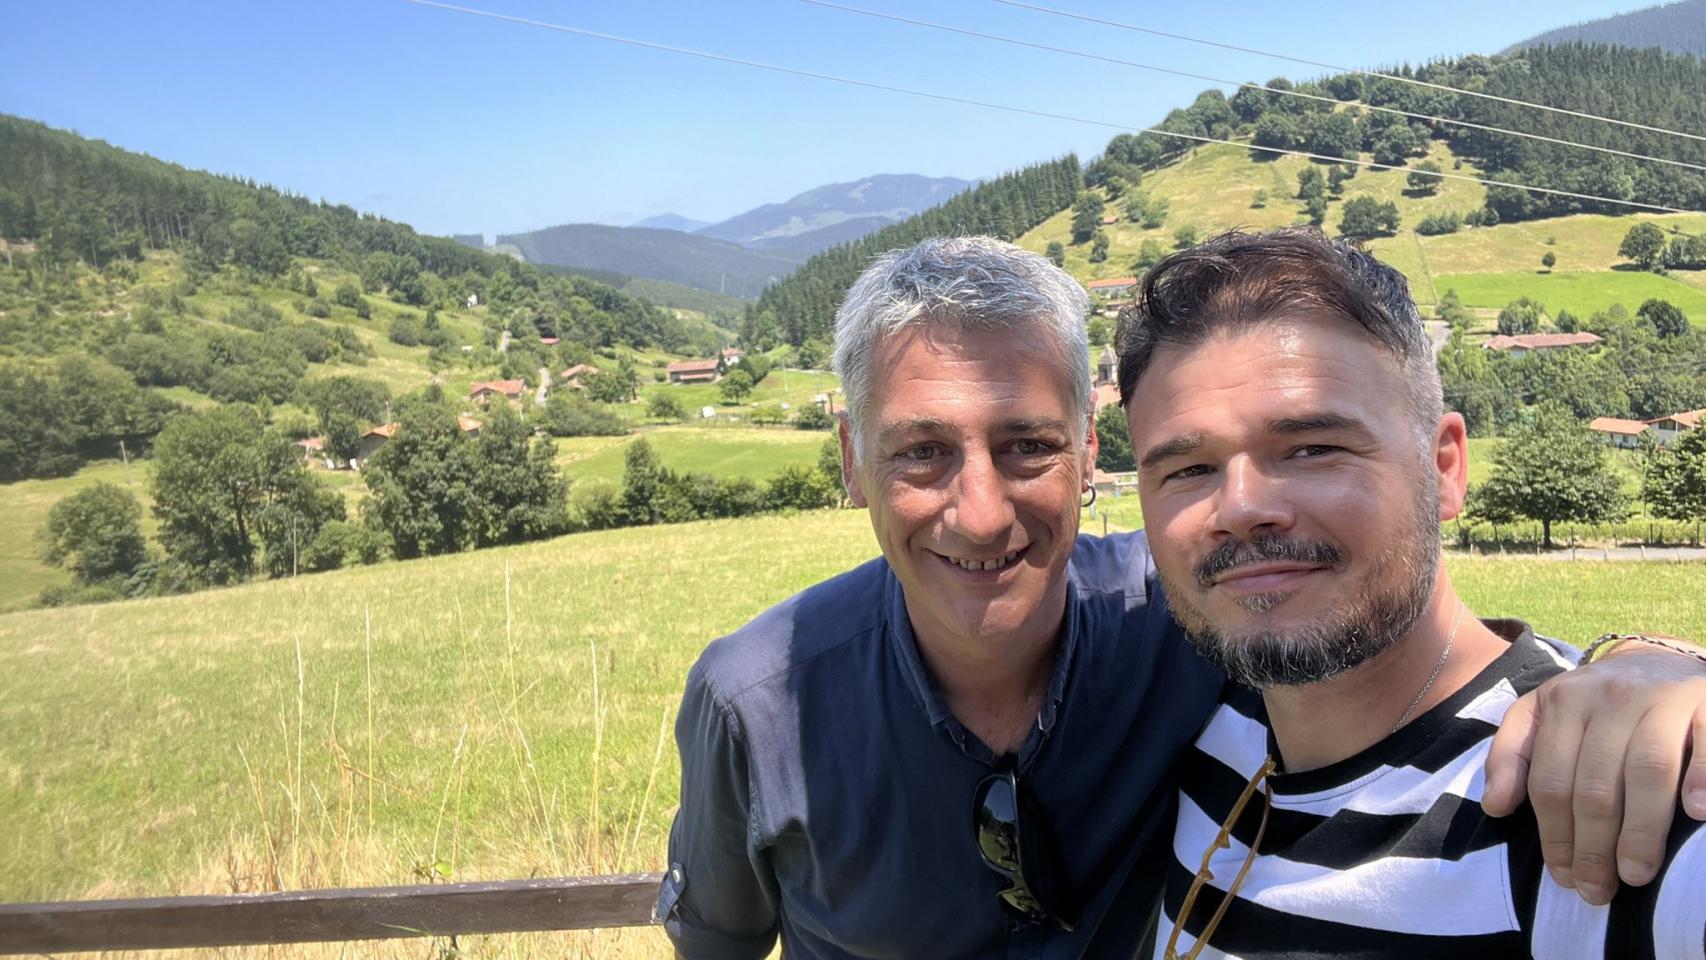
[802, 307]
[1645, 86]
[85, 200]
[1676, 27]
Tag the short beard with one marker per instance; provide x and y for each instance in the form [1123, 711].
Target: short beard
[1386, 605]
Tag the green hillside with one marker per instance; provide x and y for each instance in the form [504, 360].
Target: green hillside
[1213, 188]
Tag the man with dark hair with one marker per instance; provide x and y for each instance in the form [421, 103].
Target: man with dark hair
[1295, 462]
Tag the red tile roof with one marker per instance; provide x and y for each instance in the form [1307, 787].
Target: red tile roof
[1542, 341]
[1112, 284]
[1628, 428]
[579, 369]
[509, 388]
[694, 366]
[386, 430]
[1688, 418]
[466, 423]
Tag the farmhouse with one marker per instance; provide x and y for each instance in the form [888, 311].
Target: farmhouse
[572, 376]
[380, 435]
[1530, 342]
[733, 354]
[482, 392]
[1625, 434]
[695, 371]
[1666, 429]
[1111, 286]
[371, 441]
[1110, 219]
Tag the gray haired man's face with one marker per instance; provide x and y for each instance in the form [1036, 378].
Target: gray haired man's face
[972, 468]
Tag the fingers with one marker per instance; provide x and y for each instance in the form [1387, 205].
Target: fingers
[1652, 764]
[1552, 780]
[1508, 760]
[1598, 806]
[1694, 781]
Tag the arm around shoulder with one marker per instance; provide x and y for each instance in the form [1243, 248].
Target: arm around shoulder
[716, 901]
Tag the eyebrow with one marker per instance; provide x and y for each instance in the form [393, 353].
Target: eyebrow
[910, 425]
[1176, 447]
[1319, 421]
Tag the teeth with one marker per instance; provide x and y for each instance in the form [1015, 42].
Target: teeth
[979, 565]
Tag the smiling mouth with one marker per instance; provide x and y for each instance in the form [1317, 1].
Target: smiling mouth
[984, 566]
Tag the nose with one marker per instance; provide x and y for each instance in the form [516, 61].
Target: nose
[1250, 501]
[981, 511]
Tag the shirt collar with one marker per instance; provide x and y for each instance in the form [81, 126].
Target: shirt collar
[928, 696]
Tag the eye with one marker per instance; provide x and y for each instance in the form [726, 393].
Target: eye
[1315, 450]
[1032, 448]
[1194, 470]
[923, 453]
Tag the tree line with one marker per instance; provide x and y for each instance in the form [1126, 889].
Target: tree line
[235, 501]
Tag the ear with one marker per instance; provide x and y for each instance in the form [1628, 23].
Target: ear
[1091, 445]
[1451, 459]
[849, 470]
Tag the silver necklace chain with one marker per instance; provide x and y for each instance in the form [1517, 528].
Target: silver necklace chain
[1456, 622]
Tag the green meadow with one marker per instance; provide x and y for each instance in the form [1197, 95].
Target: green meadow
[1581, 293]
[756, 453]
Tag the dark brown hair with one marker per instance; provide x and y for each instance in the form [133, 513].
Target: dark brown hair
[1238, 279]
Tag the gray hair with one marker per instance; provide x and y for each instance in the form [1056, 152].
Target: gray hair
[974, 283]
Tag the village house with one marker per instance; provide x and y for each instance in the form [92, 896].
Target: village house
[1620, 433]
[1531, 342]
[549, 341]
[483, 392]
[1107, 378]
[1667, 429]
[1110, 219]
[380, 435]
[571, 377]
[1111, 286]
[696, 371]
[732, 355]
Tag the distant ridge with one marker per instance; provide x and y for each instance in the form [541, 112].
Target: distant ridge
[836, 213]
[672, 221]
[704, 263]
[1674, 27]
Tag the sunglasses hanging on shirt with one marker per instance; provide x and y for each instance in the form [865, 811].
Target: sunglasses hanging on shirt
[1014, 841]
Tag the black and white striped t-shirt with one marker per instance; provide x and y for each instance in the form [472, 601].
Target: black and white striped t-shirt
[1388, 854]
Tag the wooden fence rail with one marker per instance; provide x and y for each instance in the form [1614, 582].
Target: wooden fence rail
[310, 916]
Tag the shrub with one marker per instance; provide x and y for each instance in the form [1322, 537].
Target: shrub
[1439, 223]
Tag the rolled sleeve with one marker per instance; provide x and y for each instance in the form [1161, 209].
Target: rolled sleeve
[717, 901]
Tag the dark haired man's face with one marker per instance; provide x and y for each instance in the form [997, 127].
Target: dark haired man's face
[1292, 509]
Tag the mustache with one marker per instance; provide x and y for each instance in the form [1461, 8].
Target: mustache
[1232, 554]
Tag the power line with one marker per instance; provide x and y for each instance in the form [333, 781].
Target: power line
[1248, 86]
[1022, 4]
[1027, 111]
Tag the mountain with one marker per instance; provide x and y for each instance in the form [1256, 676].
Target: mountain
[672, 221]
[1674, 27]
[836, 213]
[705, 263]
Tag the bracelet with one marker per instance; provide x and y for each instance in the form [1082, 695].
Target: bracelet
[1598, 648]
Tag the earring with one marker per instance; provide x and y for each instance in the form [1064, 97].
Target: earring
[1092, 501]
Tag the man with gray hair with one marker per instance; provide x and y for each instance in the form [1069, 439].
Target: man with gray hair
[963, 747]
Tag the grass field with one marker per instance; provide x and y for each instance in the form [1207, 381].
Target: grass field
[504, 727]
[1581, 293]
[756, 453]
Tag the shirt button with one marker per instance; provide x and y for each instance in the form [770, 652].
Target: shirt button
[675, 873]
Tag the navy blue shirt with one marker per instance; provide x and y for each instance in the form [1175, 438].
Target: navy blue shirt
[826, 790]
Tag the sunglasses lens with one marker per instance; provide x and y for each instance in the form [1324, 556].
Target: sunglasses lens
[998, 822]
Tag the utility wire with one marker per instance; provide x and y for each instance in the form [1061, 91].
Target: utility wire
[1026, 111]
[1052, 11]
[1248, 86]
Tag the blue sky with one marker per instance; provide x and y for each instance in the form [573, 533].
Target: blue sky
[454, 123]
